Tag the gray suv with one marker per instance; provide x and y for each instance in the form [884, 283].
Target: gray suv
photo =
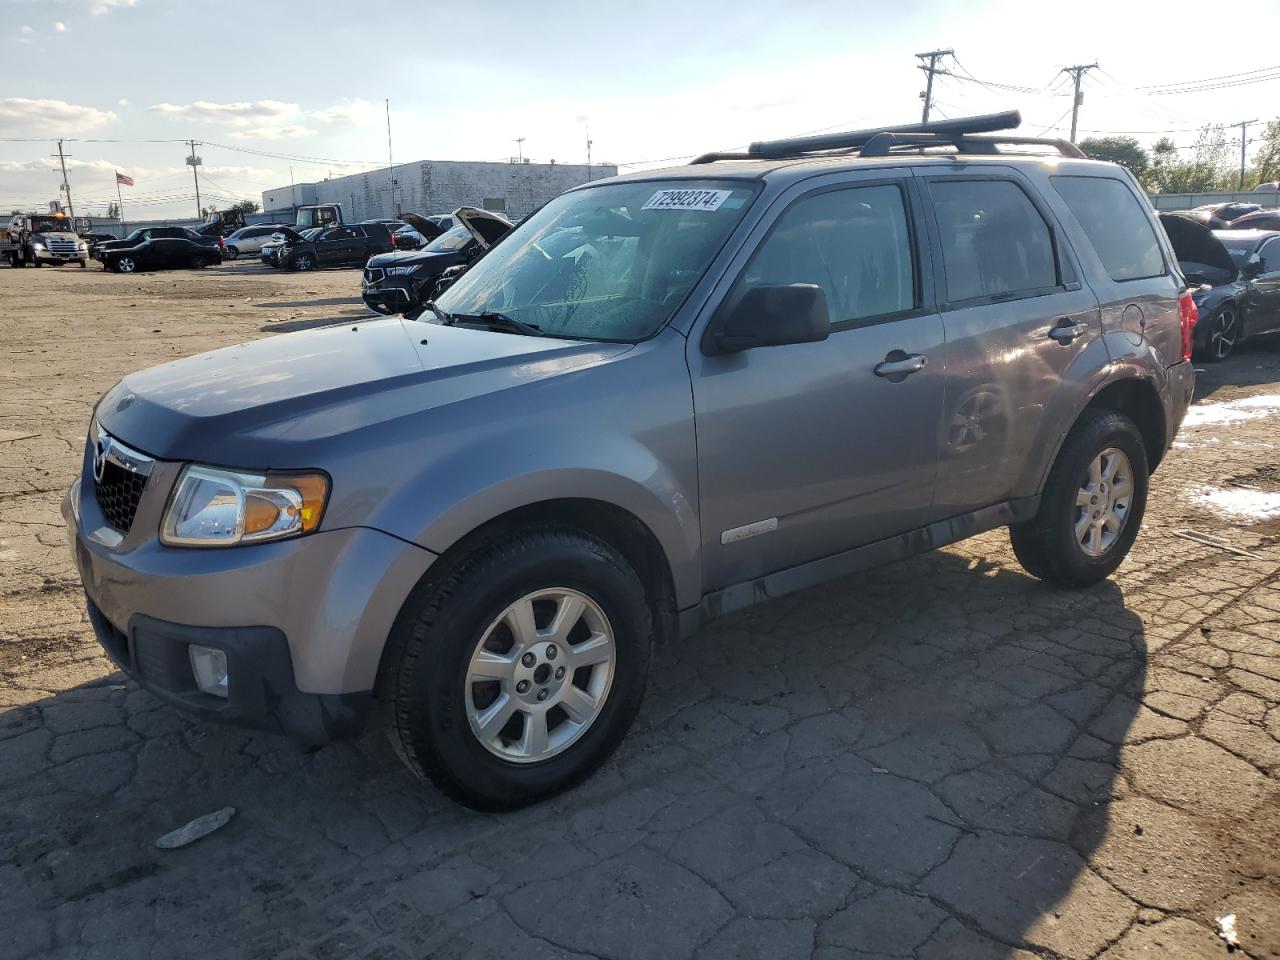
[662, 398]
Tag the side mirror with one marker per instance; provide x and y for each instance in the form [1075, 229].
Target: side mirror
[770, 316]
[1253, 268]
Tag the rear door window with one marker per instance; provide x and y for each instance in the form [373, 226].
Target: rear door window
[1115, 223]
[995, 244]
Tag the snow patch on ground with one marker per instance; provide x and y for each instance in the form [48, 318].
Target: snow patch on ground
[1232, 411]
[1238, 502]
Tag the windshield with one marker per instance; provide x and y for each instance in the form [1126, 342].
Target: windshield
[454, 239]
[50, 225]
[612, 262]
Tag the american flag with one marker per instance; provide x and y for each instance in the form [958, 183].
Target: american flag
[121, 178]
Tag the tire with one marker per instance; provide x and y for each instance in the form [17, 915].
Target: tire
[124, 265]
[231, 253]
[83, 264]
[1223, 334]
[1063, 544]
[304, 261]
[429, 704]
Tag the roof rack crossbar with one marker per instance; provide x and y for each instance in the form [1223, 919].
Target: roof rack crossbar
[855, 139]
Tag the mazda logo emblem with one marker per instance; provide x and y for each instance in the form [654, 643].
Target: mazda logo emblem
[100, 451]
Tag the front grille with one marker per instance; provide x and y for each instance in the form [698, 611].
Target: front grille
[63, 246]
[118, 493]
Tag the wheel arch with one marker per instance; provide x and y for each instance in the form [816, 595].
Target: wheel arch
[618, 527]
[1137, 399]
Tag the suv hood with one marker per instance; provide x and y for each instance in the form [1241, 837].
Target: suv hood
[485, 225]
[428, 229]
[1195, 242]
[412, 258]
[277, 402]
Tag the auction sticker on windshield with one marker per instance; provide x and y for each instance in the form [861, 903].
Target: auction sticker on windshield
[687, 200]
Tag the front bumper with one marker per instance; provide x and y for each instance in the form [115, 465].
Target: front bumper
[391, 295]
[48, 256]
[303, 621]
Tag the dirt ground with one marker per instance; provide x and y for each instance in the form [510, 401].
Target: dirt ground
[940, 759]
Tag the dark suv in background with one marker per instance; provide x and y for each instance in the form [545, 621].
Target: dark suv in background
[342, 245]
[662, 398]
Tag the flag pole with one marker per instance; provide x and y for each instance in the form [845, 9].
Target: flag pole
[119, 201]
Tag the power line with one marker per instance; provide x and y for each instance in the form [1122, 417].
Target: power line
[1225, 76]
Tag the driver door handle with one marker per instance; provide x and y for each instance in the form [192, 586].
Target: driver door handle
[1066, 330]
[901, 365]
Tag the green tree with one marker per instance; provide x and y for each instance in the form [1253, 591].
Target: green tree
[245, 206]
[1266, 162]
[113, 211]
[1125, 151]
[1208, 168]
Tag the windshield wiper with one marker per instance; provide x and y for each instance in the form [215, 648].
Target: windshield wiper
[445, 318]
[500, 320]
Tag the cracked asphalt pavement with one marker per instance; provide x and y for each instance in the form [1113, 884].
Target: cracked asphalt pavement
[941, 758]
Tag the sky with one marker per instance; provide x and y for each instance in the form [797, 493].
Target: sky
[271, 89]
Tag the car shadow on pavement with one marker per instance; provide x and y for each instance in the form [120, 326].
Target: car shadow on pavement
[1255, 363]
[915, 760]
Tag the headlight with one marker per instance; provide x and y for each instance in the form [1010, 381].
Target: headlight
[222, 508]
[37, 245]
[401, 271]
[83, 246]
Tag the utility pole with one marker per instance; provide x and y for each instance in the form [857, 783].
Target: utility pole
[1244, 127]
[519, 142]
[390, 162]
[588, 129]
[1077, 98]
[933, 56]
[66, 184]
[194, 163]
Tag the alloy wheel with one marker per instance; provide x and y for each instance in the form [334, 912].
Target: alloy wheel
[126, 265]
[1103, 501]
[540, 675]
[1223, 335]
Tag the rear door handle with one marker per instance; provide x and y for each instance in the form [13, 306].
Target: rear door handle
[1066, 330]
[898, 365]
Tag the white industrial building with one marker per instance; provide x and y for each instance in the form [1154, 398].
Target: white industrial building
[436, 186]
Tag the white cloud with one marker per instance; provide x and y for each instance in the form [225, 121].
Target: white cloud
[27, 30]
[241, 113]
[99, 7]
[287, 132]
[60, 27]
[355, 111]
[122, 103]
[20, 116]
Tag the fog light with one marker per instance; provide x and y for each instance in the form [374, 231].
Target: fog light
[210, 669]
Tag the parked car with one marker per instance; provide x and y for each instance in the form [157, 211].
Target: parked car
[1258, 220]
[1236, 280]
[1217, 216]
[348, 244]
[776, 368]
[270, 252]
[248, 240]
[408, 238]
[402, 282]
[160, 253]
[144, 234]
[92, 240]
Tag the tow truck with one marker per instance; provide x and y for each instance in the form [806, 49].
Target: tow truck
[34, 239]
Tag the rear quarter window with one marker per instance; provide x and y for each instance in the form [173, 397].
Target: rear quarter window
[1116, 224]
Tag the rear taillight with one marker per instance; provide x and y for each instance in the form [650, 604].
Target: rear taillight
[222, 242]
[1188, 313]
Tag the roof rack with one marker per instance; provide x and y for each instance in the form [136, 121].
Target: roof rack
[963, 133]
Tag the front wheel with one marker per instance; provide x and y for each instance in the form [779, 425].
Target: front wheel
[514, 673]
[231, 253]
[124, 265]
[1092, 504]
[304, 261]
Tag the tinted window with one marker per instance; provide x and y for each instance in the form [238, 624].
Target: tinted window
[1115, 223]
[1270, 256]
[852, 243]
[994, 241]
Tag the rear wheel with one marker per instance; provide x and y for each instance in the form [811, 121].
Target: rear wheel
[231, 253]
[514, 673]
[1224, 333]
[1092, 504]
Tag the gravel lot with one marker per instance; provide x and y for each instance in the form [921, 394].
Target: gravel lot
[938, 759]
